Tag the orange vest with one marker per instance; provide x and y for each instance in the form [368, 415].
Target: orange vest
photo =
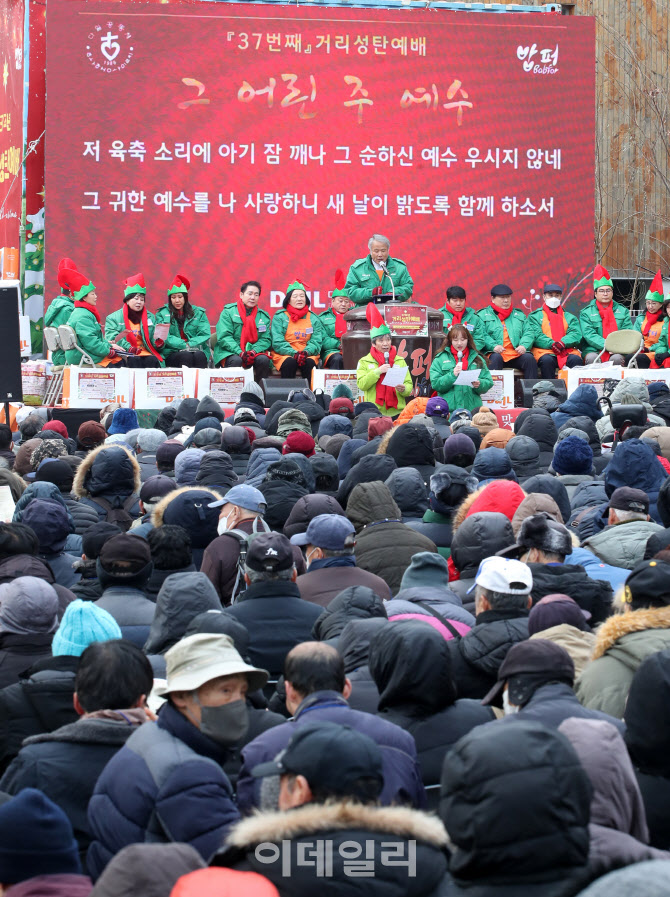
[546, 329]
[509, 352]
[297, 337]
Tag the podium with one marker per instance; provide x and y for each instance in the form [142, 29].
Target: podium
[417, 332]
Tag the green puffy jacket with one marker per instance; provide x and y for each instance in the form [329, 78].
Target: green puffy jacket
[89, 336]
[229, 331]
[57, 313]
[114, 324]
[196, 328]
[367, 375]
[470, 320]
[331, 343]
[592, 325]
[442, 379]
[280, 323]
[660, 347]
[540, 340]
[517, 329]
[362, 279]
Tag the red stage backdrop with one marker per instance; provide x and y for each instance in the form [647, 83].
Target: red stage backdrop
[230, 142]
[11, 122]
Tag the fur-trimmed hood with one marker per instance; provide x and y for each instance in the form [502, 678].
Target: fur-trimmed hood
[618, 626]
[310, 819]
[158, 515]
[107, 470]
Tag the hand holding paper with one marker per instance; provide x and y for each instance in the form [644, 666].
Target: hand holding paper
[467, 378]
[161, 331]
[394, 377]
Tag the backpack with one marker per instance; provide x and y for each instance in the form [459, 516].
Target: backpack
[119, 516]
[243, 540]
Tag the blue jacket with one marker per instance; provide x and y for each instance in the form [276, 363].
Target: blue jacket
[402, 777]
[595, 569]
[635, 464]
[583, 401]
[166, 784]
[553, 703]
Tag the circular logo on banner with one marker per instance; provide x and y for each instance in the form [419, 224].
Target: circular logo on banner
[109, 47]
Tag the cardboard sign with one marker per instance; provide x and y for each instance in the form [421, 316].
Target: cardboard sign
[224, 385]
[501, 396]
[95, 387]
[593, 374]
[406, 320]
[157, 387]
[327, 380]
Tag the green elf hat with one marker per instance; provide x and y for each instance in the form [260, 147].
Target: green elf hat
[655, 291]
[134, 284]
[377, 323]
[340, 280]
[180, 284]
[601, 278]
[78, 283]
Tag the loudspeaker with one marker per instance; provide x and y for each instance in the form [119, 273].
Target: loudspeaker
[276, 389]
[526, 387]
[11, 388]
[73, 418]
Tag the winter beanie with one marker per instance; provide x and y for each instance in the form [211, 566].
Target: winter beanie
[573, 456]
[83, 623]
[427, 570]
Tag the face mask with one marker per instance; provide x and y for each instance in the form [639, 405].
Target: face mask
[222, 525]
[552, 303]
[508, 708]
[309, 556]
[226, 724]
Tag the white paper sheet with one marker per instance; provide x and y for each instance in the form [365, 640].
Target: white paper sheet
[394, 377]
[467, 378]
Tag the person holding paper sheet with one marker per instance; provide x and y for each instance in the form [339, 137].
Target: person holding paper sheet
[459, 355]
[137, 326]
[243, 333]
[187, 341]
[372, 369]
[601, 317]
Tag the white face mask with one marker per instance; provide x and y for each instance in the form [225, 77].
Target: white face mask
[222, 525]
[307, 558]
[508, 708]
[552, 303]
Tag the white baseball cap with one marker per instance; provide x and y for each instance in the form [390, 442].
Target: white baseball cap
[504, 575]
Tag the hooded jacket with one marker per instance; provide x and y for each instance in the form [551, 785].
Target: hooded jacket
[187, 465]
[355, 603]
[368, 469]
[622, 643]
[478, 537]
[550, 486]
[46, 492]
[185, 416]
[515, 801]
[592, 595]
[623, 544]
[535, 503]
[501, 497]
[411, 446]
[280, 497]
[50, 522]
[411, 666]
[326, 474]
[216, 471]
[409, 492]
[413, 603]
[476, 658]
[384, 545]
[582, 403]
[524, 453]
[647, 718]
[362, 828]
[189, 508]
[37, 613]
[306, 509]
[353, 646]
[235, 441]
[259, 461]
[182, 597]
[619, 833]
[345, 459]
[28, 565]
[110, 473]
[578, 643]
[493, 464]
[635, 464]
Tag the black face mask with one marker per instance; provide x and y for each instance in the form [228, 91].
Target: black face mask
[226, 724]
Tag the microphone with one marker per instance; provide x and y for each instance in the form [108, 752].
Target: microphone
[460, 355]
[382, 265]
[386, 357]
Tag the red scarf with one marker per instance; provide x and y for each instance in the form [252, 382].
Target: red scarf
[503, 313]
[249, 330]
[132, 338]
[559, 327]
[650, 319]
[385, 395]
[296, 313]
[464, 357]
[606, 313]
[457, 316]
[93, 310]
[340, 324]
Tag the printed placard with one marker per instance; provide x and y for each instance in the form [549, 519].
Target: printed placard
[594, 375]
[327, 381]
[224, 385]
[406, 320]
[501, 395]
[92, 388]
[155, 388]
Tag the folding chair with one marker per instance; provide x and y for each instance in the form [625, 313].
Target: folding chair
[68, 339]
[623, 342]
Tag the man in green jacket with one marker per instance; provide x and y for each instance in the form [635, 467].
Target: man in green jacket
[60, 308]
[555, 334]
[455, 312]
[334, 325]
[243, 333]
[377, 274]
[601, 317]
[506, 335]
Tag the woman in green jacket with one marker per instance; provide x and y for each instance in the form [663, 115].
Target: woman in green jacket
[187, 341]
[371, 369]
[85, 321]
[137, 324]
[459, 354]
[60, 308]
[297, 335]
[334, 325]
